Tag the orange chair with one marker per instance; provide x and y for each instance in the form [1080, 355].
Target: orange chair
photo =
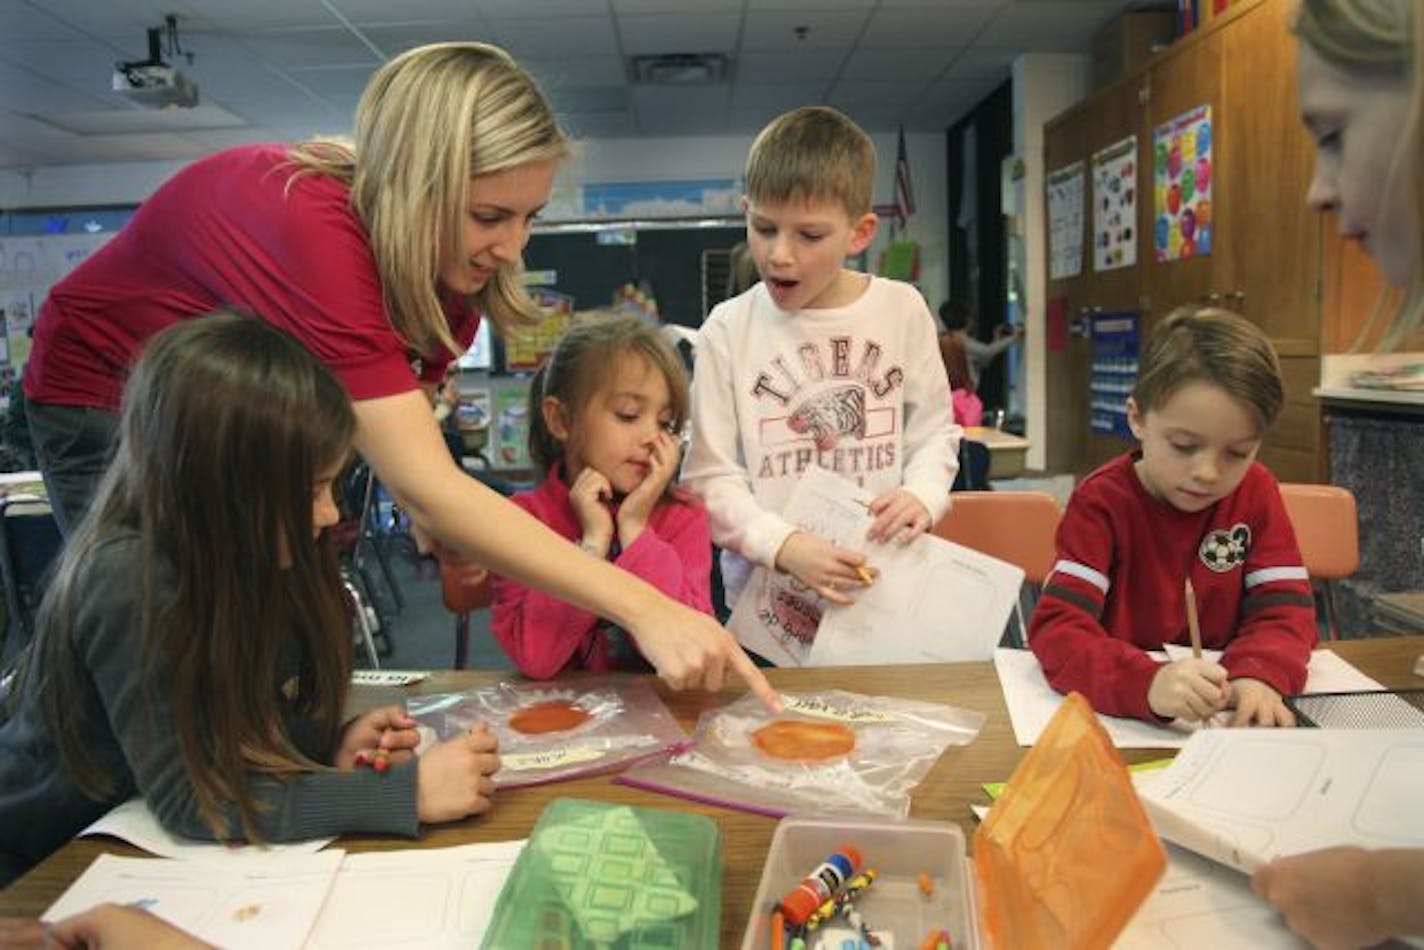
[462, 599]
[1014, 526]
[1327, 528]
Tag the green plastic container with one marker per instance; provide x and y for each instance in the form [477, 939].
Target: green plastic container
[596, 874]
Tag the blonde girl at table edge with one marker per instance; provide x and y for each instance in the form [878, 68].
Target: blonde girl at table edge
[1361, 97]
[455, 146]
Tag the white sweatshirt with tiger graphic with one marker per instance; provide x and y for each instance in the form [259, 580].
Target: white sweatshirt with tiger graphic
[859, 390]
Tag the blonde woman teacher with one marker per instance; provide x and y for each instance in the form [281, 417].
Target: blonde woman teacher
[1361, 97]
[381, 255]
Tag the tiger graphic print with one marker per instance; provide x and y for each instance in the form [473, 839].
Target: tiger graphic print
[830, 415]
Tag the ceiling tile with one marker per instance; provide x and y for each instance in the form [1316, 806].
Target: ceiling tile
[944, 26]
[143, 121]
[836, 5]
[395, 38]
[754, 105]
[797, 65]
[305, 48]
[577, 71]
[777, 29]
[537, 9]
[591, 99]
[335, 82]
[363, 12]
[1055, 26]
[559, 36]
[899, 65]
[681, 33]
[231, 17]
[622, 7]
[663, 110]
[979, 60]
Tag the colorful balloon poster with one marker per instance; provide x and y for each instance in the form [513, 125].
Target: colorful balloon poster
[1115, 205]
[1182, 182]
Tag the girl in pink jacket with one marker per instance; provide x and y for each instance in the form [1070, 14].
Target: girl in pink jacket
[605, 412]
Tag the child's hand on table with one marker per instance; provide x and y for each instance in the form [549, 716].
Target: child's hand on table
[386, 728]
[824, 567]
[455, 780]
[1188, 689]
[1257, 704]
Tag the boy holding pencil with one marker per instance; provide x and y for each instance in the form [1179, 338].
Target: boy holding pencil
[1190, 503]
[816, 365]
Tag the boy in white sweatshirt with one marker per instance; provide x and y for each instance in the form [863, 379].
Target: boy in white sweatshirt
[817, 364]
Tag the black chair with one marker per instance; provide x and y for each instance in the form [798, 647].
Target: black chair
[973, 472]
[29, 545]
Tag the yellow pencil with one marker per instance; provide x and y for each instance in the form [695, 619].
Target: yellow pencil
[1193, 627]
[865, 575]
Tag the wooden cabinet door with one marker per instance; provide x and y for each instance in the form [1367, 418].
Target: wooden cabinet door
[1180, 81]
[1066, 378]
[1268, 247]
[1118, 113]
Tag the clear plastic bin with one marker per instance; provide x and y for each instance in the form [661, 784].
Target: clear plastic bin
[899, 851]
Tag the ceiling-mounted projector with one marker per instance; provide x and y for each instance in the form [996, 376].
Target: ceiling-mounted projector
[155, 85]
[153, 82]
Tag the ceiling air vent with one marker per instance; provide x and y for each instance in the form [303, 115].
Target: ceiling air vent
[680, 69]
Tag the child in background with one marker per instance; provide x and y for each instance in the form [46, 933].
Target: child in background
[605, 411]
[817, 364]
[968, 408]
[1190, 502]
[195, 645]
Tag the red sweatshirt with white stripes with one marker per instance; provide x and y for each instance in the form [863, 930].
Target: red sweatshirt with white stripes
[1116, 589]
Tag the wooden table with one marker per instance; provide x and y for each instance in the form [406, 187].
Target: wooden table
[945, 794]
[1008, 453]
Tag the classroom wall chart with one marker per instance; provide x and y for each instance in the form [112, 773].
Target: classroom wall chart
[1114, 371]
[1115, 205]
[1182, 161]
[1065, 221]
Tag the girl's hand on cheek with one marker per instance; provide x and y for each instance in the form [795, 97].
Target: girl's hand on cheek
[590, 494]
[638, 506]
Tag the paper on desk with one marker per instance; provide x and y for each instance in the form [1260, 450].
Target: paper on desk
[134, 822]
[243, 904]
[1244, 797]
[387, 677]
[931, 601]
[1032, 702]
[429, 898]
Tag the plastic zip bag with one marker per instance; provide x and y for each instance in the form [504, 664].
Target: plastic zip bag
[729, 761]
[620, 720]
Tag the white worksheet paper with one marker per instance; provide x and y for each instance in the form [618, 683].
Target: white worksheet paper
[1032, 702]
[931, 601]
[257, 904]
[134, 822]
[429, 898]
[1244, 797]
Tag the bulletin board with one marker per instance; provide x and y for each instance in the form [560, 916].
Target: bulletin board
[1116, 346]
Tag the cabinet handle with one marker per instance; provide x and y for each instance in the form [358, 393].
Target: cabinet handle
[1211, 298]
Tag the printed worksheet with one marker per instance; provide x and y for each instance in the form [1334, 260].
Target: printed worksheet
[931, 601]
[1244, 797]
[135, 822]
[234, 904]
[1032, 702]
[427, 898]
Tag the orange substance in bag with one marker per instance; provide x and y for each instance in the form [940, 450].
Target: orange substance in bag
[797, 740]
[557, 716]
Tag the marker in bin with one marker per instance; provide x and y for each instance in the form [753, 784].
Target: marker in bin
[820, 885]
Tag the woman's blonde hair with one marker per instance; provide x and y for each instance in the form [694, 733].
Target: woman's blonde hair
[1382, 39]
[1211, 345]
[429, 121]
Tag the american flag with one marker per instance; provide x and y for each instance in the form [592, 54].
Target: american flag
[904, 192]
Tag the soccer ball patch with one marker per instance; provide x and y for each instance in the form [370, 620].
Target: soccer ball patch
[1224, 549]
